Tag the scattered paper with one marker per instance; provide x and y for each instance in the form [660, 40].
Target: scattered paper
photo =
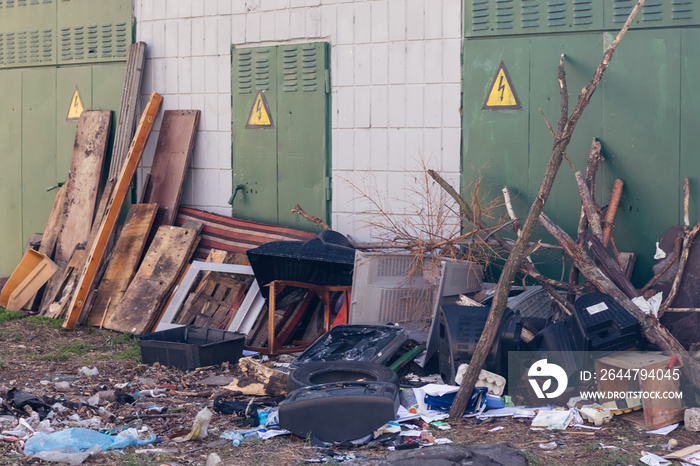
[653, 460]
[664, 430]
[496, 428]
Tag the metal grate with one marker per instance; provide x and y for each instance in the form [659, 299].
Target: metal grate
[583, 12]
[556, 13]
[245, 71]
[290, 58]
[480, 15]
[309, 68]
[504, 14]
[681, 9]
[530, 13]
[262, 70]
[654, 11]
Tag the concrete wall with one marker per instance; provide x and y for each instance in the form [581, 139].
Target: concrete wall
[396, 81]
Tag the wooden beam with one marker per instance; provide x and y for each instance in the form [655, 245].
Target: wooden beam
[107, 227]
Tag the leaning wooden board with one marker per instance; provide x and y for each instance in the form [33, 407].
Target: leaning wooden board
[124, 262]
[83, 181]
[97, 249]
[143, 301]
[170, 163]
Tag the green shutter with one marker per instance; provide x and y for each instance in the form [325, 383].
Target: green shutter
[287, 163]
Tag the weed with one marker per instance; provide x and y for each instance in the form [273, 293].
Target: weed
[6, 316]
[128, 344]
[64, 353]
[47, 321]
[533, 460]
[591, 446]
[612, 458]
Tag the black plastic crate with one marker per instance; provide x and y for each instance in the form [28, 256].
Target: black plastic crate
[603, 324]
[190, 347]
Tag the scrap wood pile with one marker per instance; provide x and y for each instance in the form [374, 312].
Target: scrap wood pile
[86, 268]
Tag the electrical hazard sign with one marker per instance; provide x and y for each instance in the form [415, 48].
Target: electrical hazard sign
[260, 116]
[502, 95]
[76, 106]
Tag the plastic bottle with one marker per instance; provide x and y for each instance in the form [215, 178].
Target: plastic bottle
[236, 439]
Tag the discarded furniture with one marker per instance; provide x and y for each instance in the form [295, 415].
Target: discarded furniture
[370, 343]
[275, 287]
[338, 412]
[247, 312]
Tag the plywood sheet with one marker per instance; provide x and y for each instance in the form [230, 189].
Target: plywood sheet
[170, 163]
[124, 262]
[83, 181]
[142, 303]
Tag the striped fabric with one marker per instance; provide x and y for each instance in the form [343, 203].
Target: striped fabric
[235, 235]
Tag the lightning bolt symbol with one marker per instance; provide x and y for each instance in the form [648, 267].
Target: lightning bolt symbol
[501, 87]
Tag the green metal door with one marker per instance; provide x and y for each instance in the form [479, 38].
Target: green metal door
[644, 112]
[48, 49]
[284, 162]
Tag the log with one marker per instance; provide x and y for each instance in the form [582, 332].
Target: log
[612, 210]
[594, 159]
[589, 206]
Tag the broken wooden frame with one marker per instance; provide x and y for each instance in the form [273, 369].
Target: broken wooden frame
[247, 313]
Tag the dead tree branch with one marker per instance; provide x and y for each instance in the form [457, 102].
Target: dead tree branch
[311, 218]
[688, 238]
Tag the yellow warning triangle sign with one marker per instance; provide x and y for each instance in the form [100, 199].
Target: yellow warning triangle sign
[502, 95]
[76, 106]
[259, 113]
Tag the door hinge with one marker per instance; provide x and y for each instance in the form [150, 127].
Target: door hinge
[327, 80]
[329, 189]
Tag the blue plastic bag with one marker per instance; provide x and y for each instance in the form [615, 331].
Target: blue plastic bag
[80, 439]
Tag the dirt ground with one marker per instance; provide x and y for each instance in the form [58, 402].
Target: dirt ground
[36, 355]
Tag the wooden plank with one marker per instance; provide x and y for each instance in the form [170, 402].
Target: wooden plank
[56, 307]
[54, 224]
[125, 260]
[142, 303]
[121, 188]
[170, 163]
[30, 274]
[83, 181]
[126, 120]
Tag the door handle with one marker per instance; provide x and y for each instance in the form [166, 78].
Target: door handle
[239, 187]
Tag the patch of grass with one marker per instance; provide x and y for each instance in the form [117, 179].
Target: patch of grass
[65, 352]
[6, 316]
[591, 446]
[533, 460]
[132, 459]
[47, 321]
[613, 458]
[126, 343]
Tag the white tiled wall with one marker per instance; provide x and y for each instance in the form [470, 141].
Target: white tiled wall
[395, 72]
